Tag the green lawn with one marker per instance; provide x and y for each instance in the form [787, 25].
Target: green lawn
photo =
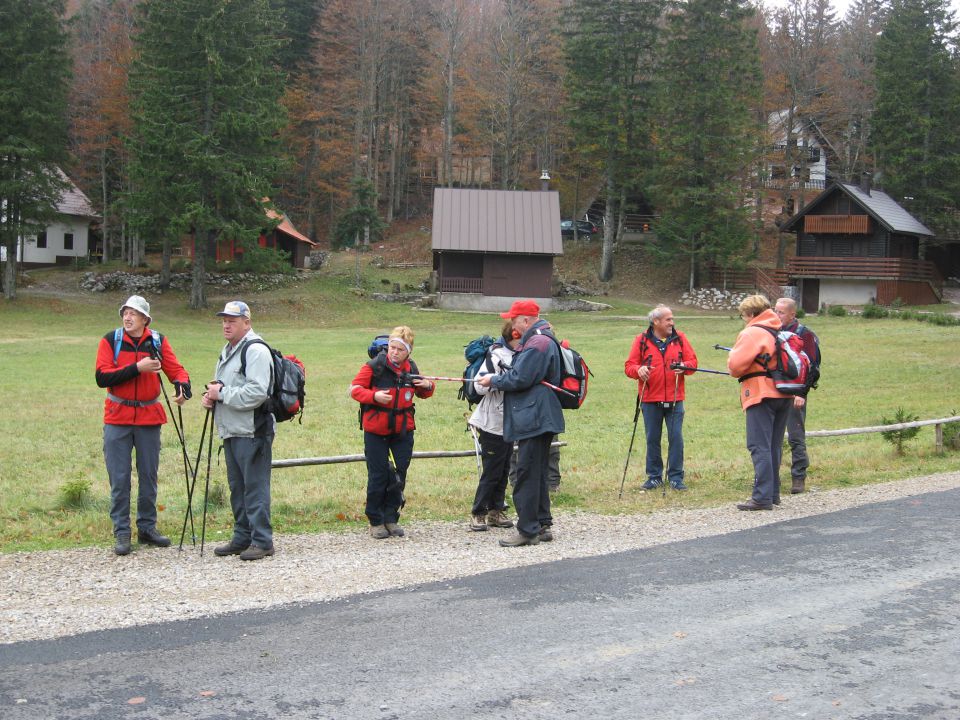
[52, 409]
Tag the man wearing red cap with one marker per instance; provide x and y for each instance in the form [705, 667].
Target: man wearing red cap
[531, 416]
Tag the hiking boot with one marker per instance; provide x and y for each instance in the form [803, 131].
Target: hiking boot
[152, 537]
[122, 546]
[652, 484]
[679, 485]
[498, 519]
[478, 523]
[799, 485]
[776, 499]
[229, 549]
[394, 529]
[255, 552]
[379, 532]
[545, 534]
[751, 504]
[518, 539]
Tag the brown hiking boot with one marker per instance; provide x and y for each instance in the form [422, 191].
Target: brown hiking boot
[379, 532]
[394, 529]
[478, 523]
[518, 539]
[499, 519]
[799, 485]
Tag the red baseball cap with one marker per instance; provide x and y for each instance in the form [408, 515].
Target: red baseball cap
[522, 307]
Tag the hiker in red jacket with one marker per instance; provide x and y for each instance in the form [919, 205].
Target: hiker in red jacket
[653, 361]
[129, 362]
[386, 391]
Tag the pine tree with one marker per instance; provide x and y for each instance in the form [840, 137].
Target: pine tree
[207, 120]
[611, 47]
[709, 84]
[917, 125]
[33, 128]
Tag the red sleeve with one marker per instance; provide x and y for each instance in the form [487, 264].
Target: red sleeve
[425, 393]
[631, 366]
[170, 365]
[689, 356]
[360, 389]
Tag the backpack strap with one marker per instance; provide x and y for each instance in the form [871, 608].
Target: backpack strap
[155, 337]
[763, 358]
[243, 353]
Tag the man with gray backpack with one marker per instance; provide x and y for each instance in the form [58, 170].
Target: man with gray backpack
[786, 309]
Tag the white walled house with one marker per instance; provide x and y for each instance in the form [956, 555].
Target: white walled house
[810, 159]
[65, 238]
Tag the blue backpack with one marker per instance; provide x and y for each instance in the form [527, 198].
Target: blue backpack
[477, 353]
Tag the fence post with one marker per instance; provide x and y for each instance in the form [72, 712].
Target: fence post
[938, 430]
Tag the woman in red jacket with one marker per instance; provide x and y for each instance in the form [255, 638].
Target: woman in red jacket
[766, 409]
[385, 390]
[129, 362]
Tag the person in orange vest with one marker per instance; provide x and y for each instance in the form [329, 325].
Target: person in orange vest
[129, 362]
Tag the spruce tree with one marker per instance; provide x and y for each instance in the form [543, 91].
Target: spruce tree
[610, 47]
[33, 128]
[207, 117]
[917, 120]
[709, 83]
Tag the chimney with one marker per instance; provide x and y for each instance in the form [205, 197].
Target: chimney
[544, 181]
[865, 182]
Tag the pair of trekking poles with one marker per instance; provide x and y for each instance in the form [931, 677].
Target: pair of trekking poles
[190, 471]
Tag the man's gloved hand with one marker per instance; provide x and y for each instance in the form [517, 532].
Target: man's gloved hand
[183, 389]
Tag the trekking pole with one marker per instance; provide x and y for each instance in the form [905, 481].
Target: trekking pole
[192, 485]
[206, 489]
[703, 370]
[722, 347]
[463, 379]
[183, 451]
[673, 418]
[476, 445]
[636, 419]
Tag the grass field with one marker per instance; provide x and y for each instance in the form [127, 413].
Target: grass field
[51, 422]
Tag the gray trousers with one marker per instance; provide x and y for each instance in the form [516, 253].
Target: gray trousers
[119, 442]
[797, 437]
[766, 422]
[248, 475]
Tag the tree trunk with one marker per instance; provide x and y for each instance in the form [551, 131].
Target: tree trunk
[105, 249]
[609, 235]
[165, 264]
[198, 290]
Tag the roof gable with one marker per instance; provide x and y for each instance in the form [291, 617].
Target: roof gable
[880, 206]
[73, 201]
[502, 221]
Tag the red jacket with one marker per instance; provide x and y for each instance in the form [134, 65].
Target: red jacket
[396, 417]
[140, 401]
[663, 385]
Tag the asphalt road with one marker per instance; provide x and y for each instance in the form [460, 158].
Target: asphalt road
[848, 615]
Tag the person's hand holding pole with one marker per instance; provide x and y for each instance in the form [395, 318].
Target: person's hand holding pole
[148, 364]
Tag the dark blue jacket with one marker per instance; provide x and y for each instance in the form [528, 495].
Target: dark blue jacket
[529, 408]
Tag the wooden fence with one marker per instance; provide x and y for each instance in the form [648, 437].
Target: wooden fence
[937, 423]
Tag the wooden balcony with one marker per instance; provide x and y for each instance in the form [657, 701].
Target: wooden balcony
[863, 268]
[837, 224]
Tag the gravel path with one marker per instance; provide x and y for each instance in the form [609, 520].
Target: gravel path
[51, 594]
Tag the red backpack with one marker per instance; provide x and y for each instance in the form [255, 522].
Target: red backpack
[791, 365]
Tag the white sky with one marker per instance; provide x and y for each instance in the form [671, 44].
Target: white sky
[840, 6]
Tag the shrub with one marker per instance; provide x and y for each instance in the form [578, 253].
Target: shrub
[951, 432]
[218, 495]
[939, 318]
[75, 494]
[801, 313]
[898, 437]
[873, 311]
[837, 311]
[897, 303]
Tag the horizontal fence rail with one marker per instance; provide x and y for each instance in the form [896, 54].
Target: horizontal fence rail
[420, 455]
[854, 267]
[938, 423]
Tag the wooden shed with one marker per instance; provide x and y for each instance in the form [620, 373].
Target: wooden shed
[492, 246]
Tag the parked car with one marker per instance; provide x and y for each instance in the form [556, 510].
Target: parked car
[585, 228]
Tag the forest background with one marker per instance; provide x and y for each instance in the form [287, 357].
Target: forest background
[181, 115]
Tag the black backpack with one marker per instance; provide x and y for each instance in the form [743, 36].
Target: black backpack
[287, 385]
[477, 354]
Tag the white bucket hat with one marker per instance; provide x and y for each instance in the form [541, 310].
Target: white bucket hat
[135, 302]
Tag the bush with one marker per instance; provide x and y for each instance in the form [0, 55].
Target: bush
[75, 494]
[940, 318]
[873, 311]
[837, 311]
[898, 437]
[951, 433]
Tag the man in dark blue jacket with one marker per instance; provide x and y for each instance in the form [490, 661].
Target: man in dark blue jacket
[531, 416]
